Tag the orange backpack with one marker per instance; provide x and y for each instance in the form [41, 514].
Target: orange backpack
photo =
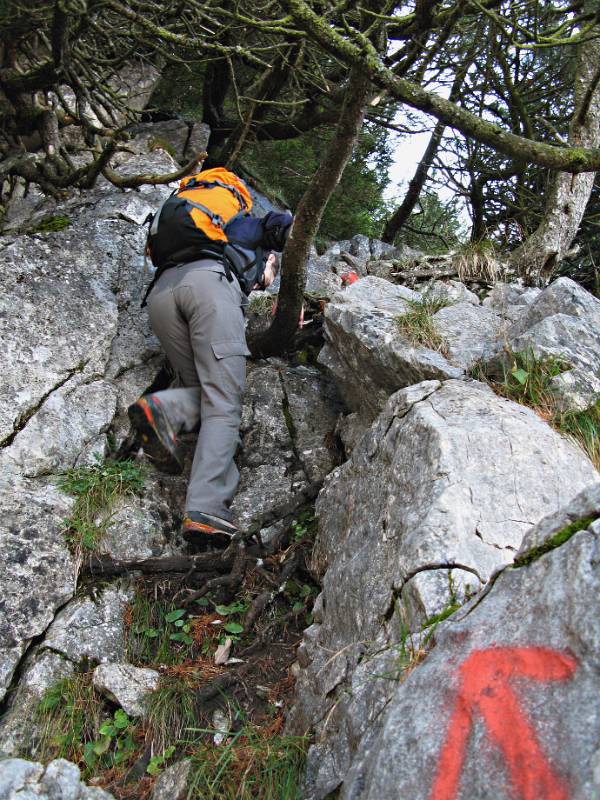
[191, 223]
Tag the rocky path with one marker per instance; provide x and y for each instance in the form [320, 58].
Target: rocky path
[416, 611]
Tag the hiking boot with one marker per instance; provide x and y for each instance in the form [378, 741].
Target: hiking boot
[157, 437]
[205, 528]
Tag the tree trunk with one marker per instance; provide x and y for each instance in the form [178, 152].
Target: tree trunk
[567, 194]
[308, 217]
[394, 225]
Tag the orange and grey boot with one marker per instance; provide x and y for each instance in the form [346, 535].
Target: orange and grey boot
[156, 434]
[203, 529]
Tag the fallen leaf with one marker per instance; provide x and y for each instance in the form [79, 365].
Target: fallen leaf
[222, 652]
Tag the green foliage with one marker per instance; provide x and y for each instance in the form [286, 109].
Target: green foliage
[157, 763]
[73, 725]
[304, 527]
[51, 225]
[157, 633]
[284, 169]
[115, 744]
[96, 489]
[69, 716]
[584, 427]
[249, 765]
[554, 541]
[528, 380]
[417, 324]
[434, 227]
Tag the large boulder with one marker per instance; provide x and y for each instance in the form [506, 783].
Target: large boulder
[371, 359]
[507, 700]
[436, 497]
[563, 321]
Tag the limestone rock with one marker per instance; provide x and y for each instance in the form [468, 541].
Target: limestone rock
[19, 726]
[381, 268]
[519, 682]
[313, 405]
[364, 350]
[91, 629]
[288, 420]
[563, 321]
[67, 423]
[180, 138]
[59, 781]
[128, 686]
[435, 498]
[450, 290]
[139, 526]
[38, 572]
[172, 783]
[471, 332]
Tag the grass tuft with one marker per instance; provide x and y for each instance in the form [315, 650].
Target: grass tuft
[172, 709]
[417, 324]
[262, 305]
[69, 714]
[528, 380]
[250, 765]
[478, 261]
[96, 489]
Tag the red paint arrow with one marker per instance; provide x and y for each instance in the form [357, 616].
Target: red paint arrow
[484, 686]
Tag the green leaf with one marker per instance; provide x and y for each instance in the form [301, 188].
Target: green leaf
[89, 756]
[107, 729]
[121, 719]
[151, 633]
[102, 746]
[297, 607]
[520, 375]
[233, 627]
[179, 623]
[202, 601]
[225, 611]
[181, 637]
[174, 615]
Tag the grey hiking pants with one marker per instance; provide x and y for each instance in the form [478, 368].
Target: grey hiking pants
[197, 315]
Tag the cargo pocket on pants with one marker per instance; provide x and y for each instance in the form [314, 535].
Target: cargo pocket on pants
[231, 359]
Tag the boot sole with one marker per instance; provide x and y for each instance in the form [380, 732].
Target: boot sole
[159, 450]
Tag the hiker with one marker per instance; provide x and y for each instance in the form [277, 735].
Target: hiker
[196, 310]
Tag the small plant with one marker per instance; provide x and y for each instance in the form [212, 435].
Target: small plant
[157, 763]
[73, 726]
[304, 527]
[584, 427]
[69, 715]
[262, 305]
[96, 489]
[51, 225]
[157, 633]
[251, 764]
[477, 260]
[417, 324]
[528, 380]
[172, 709]
[115, 744]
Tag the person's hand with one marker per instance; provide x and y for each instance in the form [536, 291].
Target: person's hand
[269, 273]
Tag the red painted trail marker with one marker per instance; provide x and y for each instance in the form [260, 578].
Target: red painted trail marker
[485, 688]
